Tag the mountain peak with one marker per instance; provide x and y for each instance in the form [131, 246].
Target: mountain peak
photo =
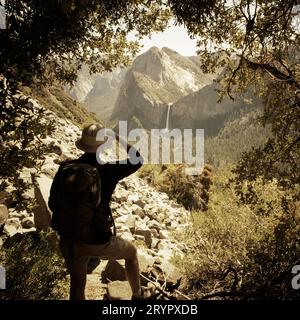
[153, 49]
[169, 51]
[157, 77]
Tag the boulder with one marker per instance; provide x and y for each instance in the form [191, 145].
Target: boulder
[33, 230]
[139, 237]
[160, 217]
[123, 184]
[146, 233]
[54, 148]
[151, 214]
[168, 223]
[133, 198]
[10, 230]
[42, 213]
[154, 233]
[120, 196]
[119, 290]
[146, 219]
[155, 242]
[20, 215]
[168, 253]
[121, 211]
[127, 236]
[140, 212]
[28, 222]
[161, 244]
[153, 224]
[49, 167]
[140, 202]
[171, 274]
[3, 214]
[130, 222]
[158, 260]
[146, 262]
[164, 234]
[114, 205]
[121, 220]
[137, 210]
[148, 207]
[15, 222]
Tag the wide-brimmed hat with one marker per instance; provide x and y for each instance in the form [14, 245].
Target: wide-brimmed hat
[88, 141]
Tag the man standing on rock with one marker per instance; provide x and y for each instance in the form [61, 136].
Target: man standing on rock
[78, 244]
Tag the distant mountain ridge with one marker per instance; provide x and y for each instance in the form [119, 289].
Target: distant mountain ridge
[157, 78]
[98, 92]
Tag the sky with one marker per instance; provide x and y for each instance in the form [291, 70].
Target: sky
[175, 38]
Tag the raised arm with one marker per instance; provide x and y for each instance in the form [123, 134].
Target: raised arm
[124, 168]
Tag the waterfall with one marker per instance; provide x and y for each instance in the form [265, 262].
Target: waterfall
[168, 116]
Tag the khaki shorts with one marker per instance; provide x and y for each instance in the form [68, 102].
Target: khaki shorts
[115, 249]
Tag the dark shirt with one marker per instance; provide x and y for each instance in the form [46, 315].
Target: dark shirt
[110, 175]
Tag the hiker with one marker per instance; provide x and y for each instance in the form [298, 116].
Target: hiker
[82, 215]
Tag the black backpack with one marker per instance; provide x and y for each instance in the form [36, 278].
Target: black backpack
[79, 214]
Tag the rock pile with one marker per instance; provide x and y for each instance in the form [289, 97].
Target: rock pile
[142, 215]
[149, 219]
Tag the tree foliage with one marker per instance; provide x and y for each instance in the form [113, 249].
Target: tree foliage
[191, 191]
[258, 42]
[243, 251]
[47, 41]
[40, 271]
[54, 37]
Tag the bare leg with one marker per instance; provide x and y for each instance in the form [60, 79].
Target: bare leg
[77, 267]
[78, 273]
[116, 249]
[132, 272]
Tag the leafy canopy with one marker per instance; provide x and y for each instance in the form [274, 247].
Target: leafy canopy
[55, 37]
[258, 42]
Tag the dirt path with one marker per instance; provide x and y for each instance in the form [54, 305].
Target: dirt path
[95, 289]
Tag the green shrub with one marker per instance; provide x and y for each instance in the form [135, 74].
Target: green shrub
[243, 251]
[190, 191]
[34, 271]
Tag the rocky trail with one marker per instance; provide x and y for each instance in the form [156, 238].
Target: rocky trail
[142, 215]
